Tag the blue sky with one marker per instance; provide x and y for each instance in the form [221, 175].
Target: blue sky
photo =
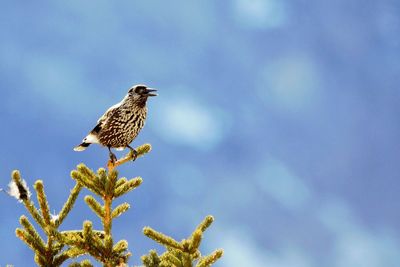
[278, 117]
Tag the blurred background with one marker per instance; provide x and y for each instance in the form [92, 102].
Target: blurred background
[278, 117]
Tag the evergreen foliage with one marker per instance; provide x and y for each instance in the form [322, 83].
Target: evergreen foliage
[180, 254]
[59, 246]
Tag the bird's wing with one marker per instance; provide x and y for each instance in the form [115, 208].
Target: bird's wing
[103, 119]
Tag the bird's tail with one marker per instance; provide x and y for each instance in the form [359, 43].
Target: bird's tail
[82, 146]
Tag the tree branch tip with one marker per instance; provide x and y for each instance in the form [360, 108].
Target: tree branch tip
[101, 171]
[81, 165]
[147, 230]
[20, 232]
[219, 252]
[23, 218]
[87, 224]
[38, 185]
[209, 218]
[138, 179]
[145, 148]
[16, 175]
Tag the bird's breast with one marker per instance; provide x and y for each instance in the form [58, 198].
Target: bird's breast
[123, 127]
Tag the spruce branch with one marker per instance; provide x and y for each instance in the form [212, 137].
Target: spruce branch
[152, 259]
[86, 182]
[31, 241]
[31, 231]
[102, 249]
[42, 199]
[164, 240]
[49, 253]
[108, 243]
[86, 240]
[171, 259]
[107, 220]
[95, 206]
[186, 260]
[24, 196]
[210, 259]
[127, 186]
[84, 263]
[68, 204]
[110, 182]
[195, 241]
[70, 253]
[119, 210]
[185, 253]
[77, 235]
[120, 246]
[82, 168]
[102, 177]
[34, 213]
[120, 182]
[205, 223]
[141, 151]
[107, 186]
[96, 245]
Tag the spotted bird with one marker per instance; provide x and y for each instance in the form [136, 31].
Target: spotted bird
[121, 123]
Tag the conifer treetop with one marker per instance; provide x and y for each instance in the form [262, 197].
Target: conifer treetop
[59, 246]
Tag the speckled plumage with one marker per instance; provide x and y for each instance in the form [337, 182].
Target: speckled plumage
[121, 123]
[119, 126]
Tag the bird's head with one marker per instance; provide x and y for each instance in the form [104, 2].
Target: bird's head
[140, 93]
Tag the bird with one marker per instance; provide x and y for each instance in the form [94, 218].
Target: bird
[121, 123]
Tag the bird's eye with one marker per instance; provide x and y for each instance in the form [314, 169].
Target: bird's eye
[140, 89]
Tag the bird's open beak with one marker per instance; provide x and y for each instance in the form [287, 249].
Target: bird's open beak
[149, 92]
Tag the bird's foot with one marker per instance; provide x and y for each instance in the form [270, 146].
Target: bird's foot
[113, 158]
[134, 154]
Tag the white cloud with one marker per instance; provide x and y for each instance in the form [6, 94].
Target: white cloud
[185, 121]
[242, 250]
[354, 243]
[289, 84]
[262, 14]
[276, 180]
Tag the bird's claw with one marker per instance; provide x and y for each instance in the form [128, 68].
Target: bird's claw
[134, 154]
[113, 158]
